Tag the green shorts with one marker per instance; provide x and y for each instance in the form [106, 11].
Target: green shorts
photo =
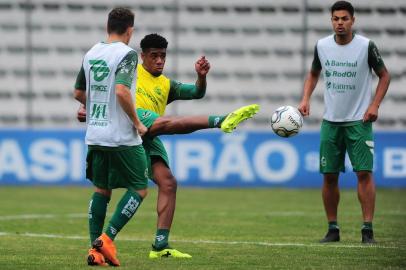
[153, 145]
[356, 138]
[117, 167]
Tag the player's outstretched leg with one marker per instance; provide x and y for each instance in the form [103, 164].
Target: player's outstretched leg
[167, 253]
[234, 118]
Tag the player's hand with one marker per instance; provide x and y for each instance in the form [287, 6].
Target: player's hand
[371, 114]
[81, 114]
[202, 66]
[304, 107]
[142, 130]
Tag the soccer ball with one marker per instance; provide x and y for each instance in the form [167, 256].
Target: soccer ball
[286, 121]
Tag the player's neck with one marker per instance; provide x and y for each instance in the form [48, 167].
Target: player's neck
[116, 38]
[344, 39]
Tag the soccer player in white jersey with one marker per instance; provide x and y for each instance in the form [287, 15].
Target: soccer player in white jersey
[154, 92]
[115, 158]
[346, 60]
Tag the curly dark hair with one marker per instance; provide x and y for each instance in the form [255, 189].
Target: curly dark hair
[153, 41]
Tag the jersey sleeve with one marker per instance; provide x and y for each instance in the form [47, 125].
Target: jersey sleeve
[80, 83]
[375, 60]
[183, 91]
[126, 69]
[316, 64]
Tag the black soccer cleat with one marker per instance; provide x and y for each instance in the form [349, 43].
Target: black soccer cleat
[333, 235]
[368, 236]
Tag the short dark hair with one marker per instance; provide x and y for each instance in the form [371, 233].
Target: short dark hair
[120, 19]
[153, 41]
[342, 5]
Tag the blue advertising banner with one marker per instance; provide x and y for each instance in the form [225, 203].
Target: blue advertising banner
[207, 159]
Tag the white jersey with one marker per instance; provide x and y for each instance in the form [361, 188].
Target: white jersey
[107, 123]
[347, 78]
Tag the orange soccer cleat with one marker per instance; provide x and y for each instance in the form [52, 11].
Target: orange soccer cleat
[106, 246]
[95, 258]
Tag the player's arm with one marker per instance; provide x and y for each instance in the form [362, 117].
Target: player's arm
[80, 94]
[183, 91]
[376, 63]
[310, 84]
[124, 77]
[180, 91]
[80, 87]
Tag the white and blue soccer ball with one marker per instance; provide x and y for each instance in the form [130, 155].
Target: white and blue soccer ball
[286, 121]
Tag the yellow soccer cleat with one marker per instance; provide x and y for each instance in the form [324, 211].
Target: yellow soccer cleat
[234, 118]
[167, 253]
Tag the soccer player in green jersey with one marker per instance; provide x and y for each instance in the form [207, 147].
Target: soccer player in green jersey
[154, 92]
[115, 157]
[346, 60]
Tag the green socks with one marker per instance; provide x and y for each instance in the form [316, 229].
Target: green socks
[216, 120]
[125, 210]
[333, 225]
[97, 214]
[367, 226]
[161, 239]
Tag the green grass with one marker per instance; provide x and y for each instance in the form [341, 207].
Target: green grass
[46, 228]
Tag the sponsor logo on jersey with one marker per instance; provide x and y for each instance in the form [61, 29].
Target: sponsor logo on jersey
[340, 88]
[98, 115]
[100, 88]
[344, 74]
[100, 69]
[335, 63]
[158, 91]
[150, 97]
[99, 111]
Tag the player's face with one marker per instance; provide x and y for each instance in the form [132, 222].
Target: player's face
[153, 60]
[342, 22]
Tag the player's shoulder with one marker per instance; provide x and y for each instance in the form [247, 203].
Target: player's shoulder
[362, 39]
[95, 47]
[326, 40]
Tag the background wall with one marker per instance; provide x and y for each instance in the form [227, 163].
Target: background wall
[206, 159]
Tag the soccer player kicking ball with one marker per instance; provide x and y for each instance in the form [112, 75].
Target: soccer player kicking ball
[116, 157]
[346, 60]
[154, 92]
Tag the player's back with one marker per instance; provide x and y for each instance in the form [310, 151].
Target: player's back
[108, 124]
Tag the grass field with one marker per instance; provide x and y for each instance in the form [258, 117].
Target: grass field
[46, 228]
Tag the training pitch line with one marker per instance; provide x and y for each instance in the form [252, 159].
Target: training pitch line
[267, 214]
[200, 241]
